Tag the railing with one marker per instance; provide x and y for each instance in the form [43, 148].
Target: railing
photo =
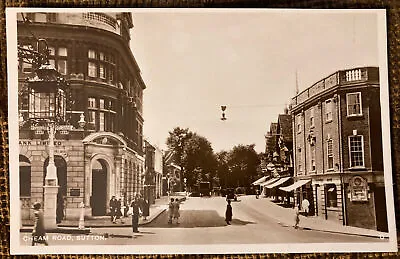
[338, 78]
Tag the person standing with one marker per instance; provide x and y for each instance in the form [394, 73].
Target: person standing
[228, 213]
[297, 216]
[305, 204]
[113, 209]
[38, 233]
[135, 215]
[170, 210]
[176, 210]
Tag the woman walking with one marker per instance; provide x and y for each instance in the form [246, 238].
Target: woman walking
[39, 233]
[176, 210]
[228, 213]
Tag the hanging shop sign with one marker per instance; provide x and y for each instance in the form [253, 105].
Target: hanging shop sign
[358, 189]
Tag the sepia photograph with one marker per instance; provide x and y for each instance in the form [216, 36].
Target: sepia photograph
[199, 131]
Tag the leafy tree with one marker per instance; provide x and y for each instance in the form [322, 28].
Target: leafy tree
[243, 163]
[176, 143]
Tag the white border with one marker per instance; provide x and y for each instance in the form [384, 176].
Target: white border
[16, 248]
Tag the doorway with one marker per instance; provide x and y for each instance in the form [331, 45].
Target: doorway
[61, 166]
[98, 200]
[380, 209]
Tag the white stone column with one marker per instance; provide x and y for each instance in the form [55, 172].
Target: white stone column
[51, 185]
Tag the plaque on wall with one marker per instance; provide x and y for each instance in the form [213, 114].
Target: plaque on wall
[358, 189]
[75, 192]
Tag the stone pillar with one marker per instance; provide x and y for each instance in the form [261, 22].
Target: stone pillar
[51, 185]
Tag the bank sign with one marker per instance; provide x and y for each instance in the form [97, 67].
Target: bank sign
[39, 143]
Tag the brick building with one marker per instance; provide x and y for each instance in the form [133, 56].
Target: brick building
[105, 157]
[337, 146]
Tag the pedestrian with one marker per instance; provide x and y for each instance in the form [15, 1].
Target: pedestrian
[135, 215]
[297, 216]
[145, 208]
[113, 209]
[38, 233]
[170, 210]
[118, 209]
[305, 204]
[228, 213]
[176, 210]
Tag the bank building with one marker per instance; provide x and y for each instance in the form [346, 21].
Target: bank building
[98, 148]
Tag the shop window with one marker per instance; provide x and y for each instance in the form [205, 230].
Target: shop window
[328, 110]
[331, 195]
[354, 104]
[330, 153]
[356, 147]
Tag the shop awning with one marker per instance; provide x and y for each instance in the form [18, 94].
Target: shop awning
[277, 183]
[259, 181]
[294, 186]
[269, 181]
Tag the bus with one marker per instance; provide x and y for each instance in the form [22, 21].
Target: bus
[205, 188]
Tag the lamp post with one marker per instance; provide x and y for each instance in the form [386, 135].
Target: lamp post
[47, 107]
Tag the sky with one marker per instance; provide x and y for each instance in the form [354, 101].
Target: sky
[194, 61]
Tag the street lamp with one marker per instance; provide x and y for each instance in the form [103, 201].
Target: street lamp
[47, 107]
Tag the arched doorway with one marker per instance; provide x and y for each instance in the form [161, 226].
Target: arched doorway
[98, 199]
[61, 166]
[24, 176]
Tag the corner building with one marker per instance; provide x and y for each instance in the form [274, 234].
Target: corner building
[105, 157]
[337, 147]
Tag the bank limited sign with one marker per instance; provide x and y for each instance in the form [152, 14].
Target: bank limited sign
[39, 143]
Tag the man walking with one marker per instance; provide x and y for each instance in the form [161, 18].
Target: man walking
[113, 209]
[228, 213]
[135, 214]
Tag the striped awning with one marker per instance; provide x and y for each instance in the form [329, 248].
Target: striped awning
[277, 183]
[294, 186]
[270, 181]
[259, 181]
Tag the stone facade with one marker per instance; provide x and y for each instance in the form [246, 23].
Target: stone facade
[105, 157]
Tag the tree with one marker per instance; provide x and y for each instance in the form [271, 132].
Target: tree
[222, 168]
[176, 143]
[243, 162]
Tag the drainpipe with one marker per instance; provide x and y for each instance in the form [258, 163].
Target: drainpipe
[322, 144]
[339, 112]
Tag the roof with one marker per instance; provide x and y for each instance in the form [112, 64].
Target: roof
[285, 126]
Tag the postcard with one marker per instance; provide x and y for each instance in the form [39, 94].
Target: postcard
[199, 131]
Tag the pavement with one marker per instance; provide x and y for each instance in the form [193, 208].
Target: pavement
[283, 216]
[70, 226]
[286, 217]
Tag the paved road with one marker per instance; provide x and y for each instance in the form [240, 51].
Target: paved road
[202, 222]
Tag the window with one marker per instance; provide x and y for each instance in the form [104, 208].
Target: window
[92, 69]
[356, 151]
[299, 161]
[354, 104]
[312, 158]
[101, 56]
[102, 74]
[91, 54]
[298, 123]
[101, 123]
[330, 153]
[92, 118]
[52, 51]
[331, 195]
[328, 110]
[92, 102]
[312, 117]
[62, 52]
[62, 66]
[24, 176]
[101, 104]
